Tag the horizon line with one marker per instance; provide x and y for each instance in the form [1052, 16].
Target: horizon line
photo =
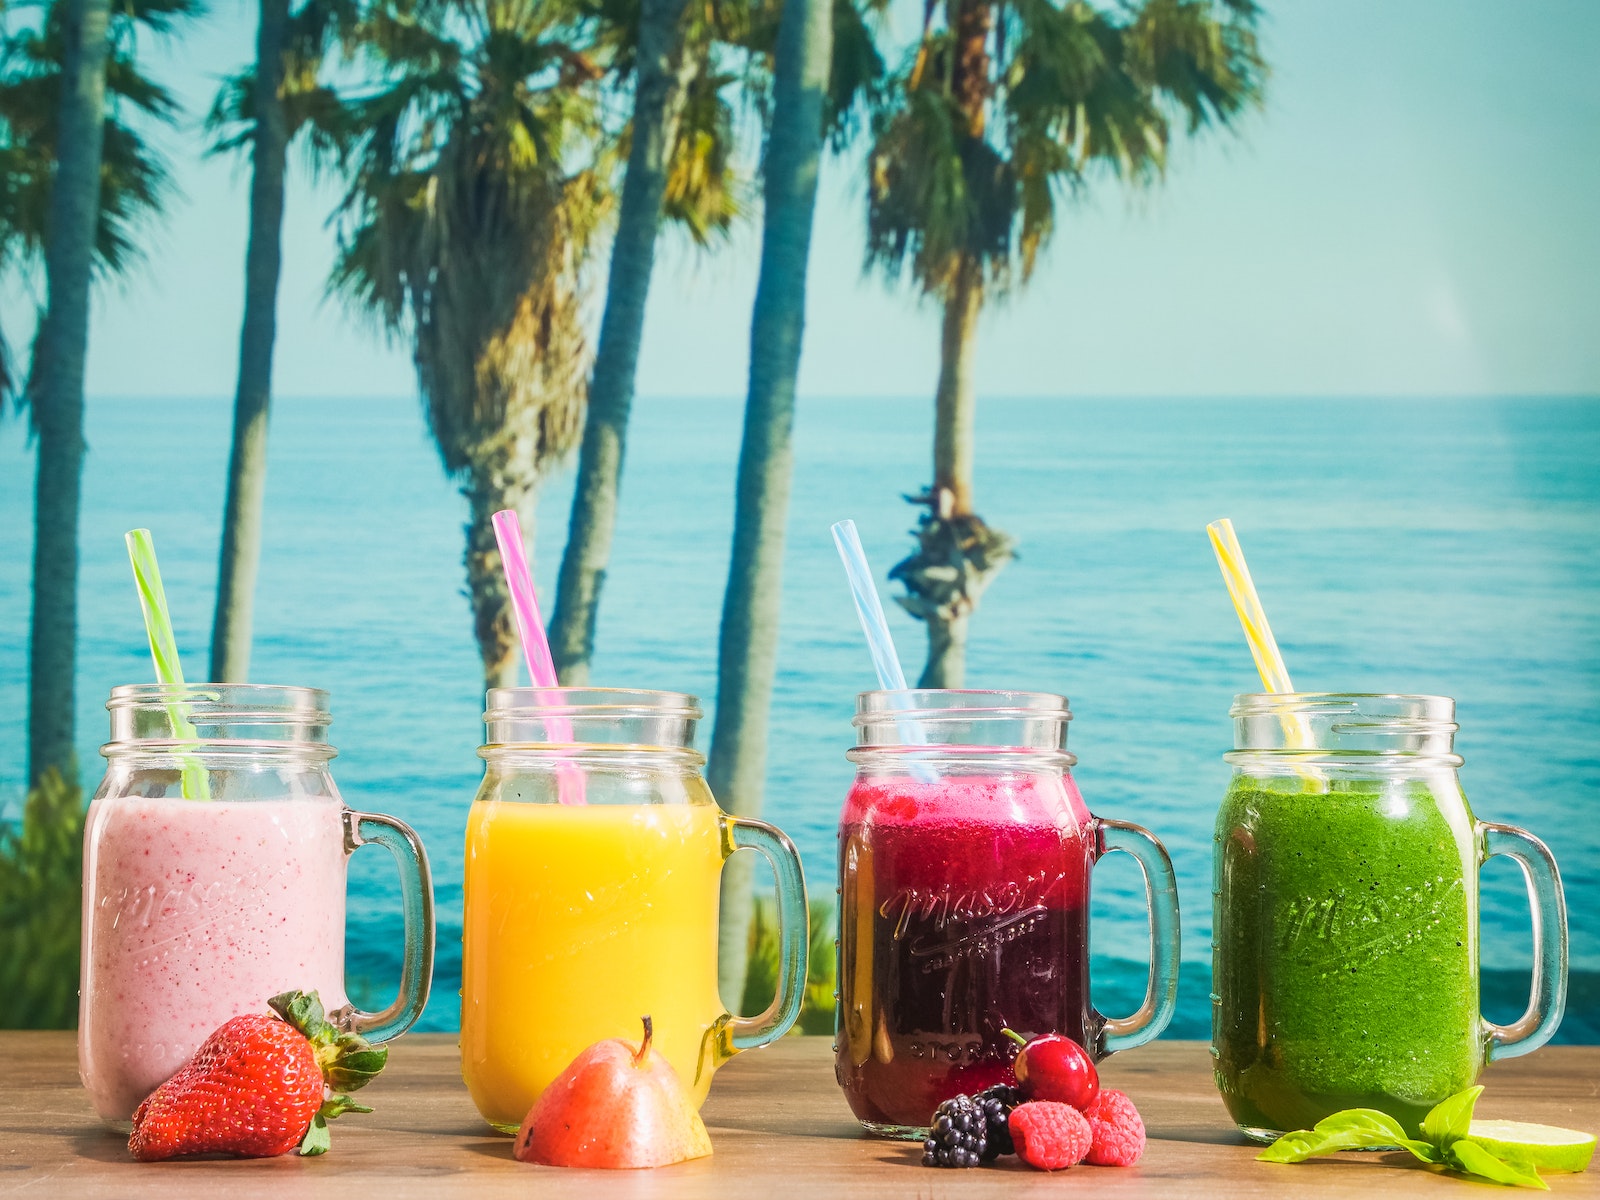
[1116, 397]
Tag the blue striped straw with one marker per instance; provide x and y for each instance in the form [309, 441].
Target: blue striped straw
[891, 678]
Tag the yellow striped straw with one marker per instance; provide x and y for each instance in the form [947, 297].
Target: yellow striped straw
[1263, 646]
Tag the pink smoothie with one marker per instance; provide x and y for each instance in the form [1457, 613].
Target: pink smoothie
[195, 912]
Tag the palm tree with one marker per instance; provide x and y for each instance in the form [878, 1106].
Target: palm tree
[78, 181]
[1002, 111]
[263, 108]
[476, 185]
[817, 81]
[658, 100]
[674, 77]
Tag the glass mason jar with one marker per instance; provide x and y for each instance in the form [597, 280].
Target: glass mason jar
[593, 870]
[1345, 920]
[965, 854]
[215, 855]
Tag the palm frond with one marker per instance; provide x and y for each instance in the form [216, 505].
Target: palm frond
[857, 73]
[474, 193]
[938, 196]
[1002, 110]
[701, 193]
[135, 182]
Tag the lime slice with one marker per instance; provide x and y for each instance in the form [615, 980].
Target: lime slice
[1543, 1147]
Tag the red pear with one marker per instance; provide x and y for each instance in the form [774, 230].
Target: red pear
[614, 1106]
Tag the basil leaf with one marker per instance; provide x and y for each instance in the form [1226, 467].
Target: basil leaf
[1373, 1117]
[1342, 1131]
[1426, 1151]
[1472, 1159]
[1450, 1118]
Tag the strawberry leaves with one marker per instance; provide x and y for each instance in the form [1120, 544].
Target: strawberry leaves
[348, 1061]
[1444, 1141]
[317, 1139]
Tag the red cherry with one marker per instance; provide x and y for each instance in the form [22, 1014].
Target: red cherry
[1054, 1067]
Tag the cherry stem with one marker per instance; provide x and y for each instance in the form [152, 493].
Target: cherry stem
[1015, 1036]
[644, 1046]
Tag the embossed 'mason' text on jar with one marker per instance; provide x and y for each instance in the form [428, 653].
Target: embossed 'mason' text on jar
[965, 854]
[1345, 918]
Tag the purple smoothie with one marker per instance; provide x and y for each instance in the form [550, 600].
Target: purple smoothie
[964, 911]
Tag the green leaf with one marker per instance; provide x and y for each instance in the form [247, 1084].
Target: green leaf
[335, 1106]
[1450, 1119]
[303, 1010]
[1426, 1151]
[1355, 1127]
[1472, 1159]
[350, 1063]
[317, 1139]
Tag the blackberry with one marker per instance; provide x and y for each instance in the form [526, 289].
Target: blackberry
[997, 1103]
[956, 1136]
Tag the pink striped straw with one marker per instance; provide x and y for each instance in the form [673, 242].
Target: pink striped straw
[535, 646]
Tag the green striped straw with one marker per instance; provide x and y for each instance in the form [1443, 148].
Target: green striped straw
[164, 652]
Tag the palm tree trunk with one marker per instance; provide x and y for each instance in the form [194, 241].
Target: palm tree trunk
[56, 391]
[954, 412]
[747, 649]
[247, 464]
[658, 99]
[947, 653]
[492, 486]
[955, 405]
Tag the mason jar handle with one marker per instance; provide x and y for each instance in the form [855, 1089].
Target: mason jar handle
[1161, 894]
[1547, 997]
[416, 902]
[794, 935]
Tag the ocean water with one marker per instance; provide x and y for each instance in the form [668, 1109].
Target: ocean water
[1445, 547]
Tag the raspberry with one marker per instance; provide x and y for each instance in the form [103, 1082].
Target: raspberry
[1049, 1135]
[997, 1103]
[956, 1138]
[1118, 1130]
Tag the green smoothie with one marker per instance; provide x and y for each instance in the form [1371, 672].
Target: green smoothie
[1345, 968]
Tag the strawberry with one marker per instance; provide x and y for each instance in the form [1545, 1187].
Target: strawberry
[258, 1087]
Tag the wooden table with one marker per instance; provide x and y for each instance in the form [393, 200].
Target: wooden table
[780, 1127]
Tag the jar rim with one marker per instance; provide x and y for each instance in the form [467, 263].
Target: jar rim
[957, 754]
[504, 704]
[609, 756]
[255, 701]
[1254, 703]
[1343, 727]
[920, 704]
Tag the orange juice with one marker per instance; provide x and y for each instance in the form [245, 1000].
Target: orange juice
[579, 920]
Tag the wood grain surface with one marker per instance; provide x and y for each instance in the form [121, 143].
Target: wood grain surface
[779, 1125]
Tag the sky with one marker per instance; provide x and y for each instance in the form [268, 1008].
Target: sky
[1413, 213]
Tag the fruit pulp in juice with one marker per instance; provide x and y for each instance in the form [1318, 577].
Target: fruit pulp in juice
[579, 920]
[1346, 959]
[195, 912]
[964, 912]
